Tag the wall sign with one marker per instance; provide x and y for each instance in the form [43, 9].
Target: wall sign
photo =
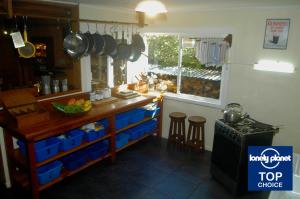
[270, 168]
[276, 34]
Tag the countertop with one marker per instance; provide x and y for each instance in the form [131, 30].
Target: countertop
[59, 122]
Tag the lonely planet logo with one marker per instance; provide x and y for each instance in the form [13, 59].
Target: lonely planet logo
[270, 168]
[270, 158]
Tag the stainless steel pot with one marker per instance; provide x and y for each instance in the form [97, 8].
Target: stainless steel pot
[233, 113]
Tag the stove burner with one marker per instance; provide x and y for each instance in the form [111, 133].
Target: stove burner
[249, 125]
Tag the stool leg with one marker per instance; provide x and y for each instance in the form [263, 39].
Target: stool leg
[188, 139]
[202, 137]
[183, 132]
[171, 131]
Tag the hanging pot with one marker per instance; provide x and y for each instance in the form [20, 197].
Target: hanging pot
[124, 50]
[75, 44]
[90, 38]
[138, 41]
[110, 44]
[28, 50]
[99, 43]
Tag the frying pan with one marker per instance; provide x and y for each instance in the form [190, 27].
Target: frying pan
[138, 40]
[99, 43]
[136, 51]
[90, 38]
[124, 50]
[110, 44]
[114, 54]
[76, 44]
[28, 50]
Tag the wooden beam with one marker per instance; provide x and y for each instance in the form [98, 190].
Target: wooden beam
[8, 7]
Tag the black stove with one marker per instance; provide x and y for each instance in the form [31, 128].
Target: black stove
[230, 149]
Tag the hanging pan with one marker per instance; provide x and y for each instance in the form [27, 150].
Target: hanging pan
[136, 50]
[138, 40]
[90, 38]
[124, 50]
[76, 44]
[99, 45]
[28, 50]
[110, 44]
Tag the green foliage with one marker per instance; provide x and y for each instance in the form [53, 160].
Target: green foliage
[163, 51]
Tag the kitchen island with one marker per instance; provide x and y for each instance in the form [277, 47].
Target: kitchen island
[23, 169]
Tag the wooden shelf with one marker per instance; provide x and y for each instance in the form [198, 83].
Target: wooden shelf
[133, 142]
[21, 160]
[135, 124]
[65, 173]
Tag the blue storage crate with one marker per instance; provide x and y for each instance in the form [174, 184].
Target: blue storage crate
[93, 135]
[150, 126]
[121, 121]
[103, 122]
[75, 160]
[136, 132]
[136, 115]
[121, 140]
[97, 150]
[152, 112]
[49, 172]
[72, 140]
[44, 149]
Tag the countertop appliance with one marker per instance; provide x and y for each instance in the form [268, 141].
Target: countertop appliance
[229, 155]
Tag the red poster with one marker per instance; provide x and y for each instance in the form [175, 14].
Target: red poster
[276, 35]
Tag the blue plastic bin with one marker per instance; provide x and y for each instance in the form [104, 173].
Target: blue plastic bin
[93, 135]
[136, 132]
[136, 115]
[44, 149]
[121, 121]
[150, 126]
[49, 172]
[152, 112]
[75, 160]
[72, 140]
[97, 150]
[103, 122]
[121, 140]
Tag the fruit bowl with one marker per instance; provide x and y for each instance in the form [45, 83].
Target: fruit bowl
[73, 107]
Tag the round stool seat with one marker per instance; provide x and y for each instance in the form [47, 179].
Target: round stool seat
[197, 119]
[177, 115]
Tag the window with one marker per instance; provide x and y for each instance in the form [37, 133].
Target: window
[191, 68]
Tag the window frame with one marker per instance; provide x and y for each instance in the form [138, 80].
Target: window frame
[199, 100]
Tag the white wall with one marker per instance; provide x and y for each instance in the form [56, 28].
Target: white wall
[268, 97]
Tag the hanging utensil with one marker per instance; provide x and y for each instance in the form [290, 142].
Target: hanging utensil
[110, 44]
[28, 50]
[114, 54]
[90, 38]
[136, 51]
[124, 50]
[76, 44]
[99, 45]
[138, 40]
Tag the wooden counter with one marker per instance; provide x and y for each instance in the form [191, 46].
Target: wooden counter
[58, 124]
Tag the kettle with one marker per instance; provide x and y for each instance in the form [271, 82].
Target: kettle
[233, 113]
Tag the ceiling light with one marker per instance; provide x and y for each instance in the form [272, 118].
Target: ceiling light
[151, 7]
[274, 66]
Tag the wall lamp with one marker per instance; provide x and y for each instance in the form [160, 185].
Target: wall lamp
[274, 66]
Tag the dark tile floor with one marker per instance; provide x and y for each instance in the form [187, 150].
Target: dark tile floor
[147, 170]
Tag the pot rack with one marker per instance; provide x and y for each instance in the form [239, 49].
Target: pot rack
[109, 22]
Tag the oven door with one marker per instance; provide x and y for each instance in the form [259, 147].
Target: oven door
[226, 154]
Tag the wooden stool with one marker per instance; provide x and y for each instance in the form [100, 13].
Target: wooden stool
[177, 128]
[196, 127]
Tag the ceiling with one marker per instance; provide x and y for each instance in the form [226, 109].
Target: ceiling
[183, 4]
